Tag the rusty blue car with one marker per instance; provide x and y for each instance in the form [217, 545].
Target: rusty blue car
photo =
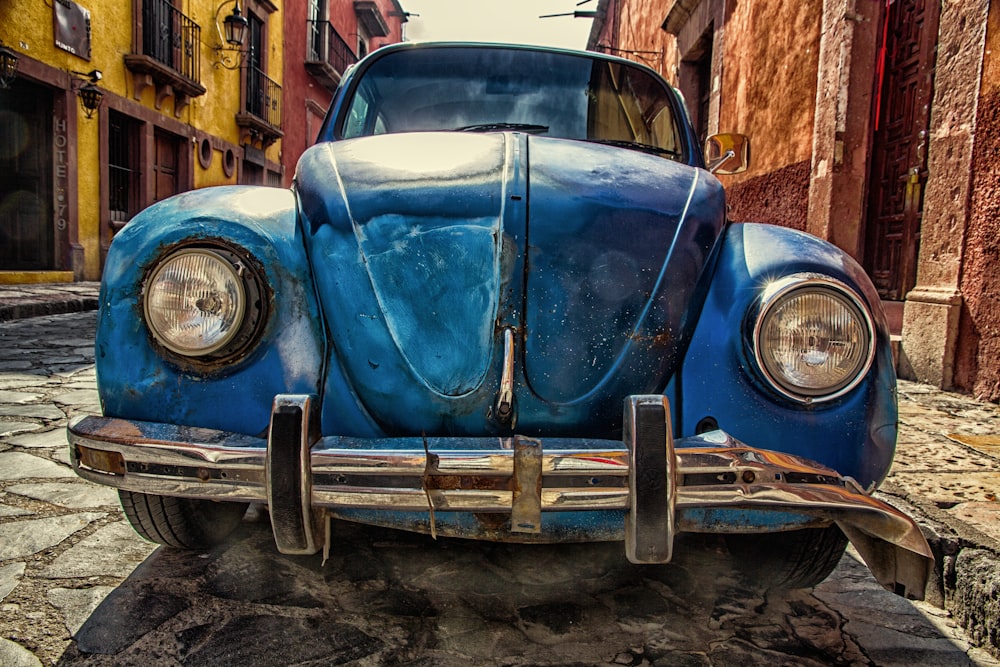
[501, 301]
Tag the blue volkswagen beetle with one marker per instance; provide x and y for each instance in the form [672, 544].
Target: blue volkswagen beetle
[501, 301]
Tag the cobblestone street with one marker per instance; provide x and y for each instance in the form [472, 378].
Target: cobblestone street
[78, 587]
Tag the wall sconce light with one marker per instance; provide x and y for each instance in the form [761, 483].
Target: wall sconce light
[233, 32]
[90, 95]
[8, 66]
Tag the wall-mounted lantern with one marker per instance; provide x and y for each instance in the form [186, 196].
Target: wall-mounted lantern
[233, 33]
[8, 65]
[90, 95]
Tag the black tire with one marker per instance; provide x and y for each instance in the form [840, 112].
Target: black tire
[793, 559]
[183, 523]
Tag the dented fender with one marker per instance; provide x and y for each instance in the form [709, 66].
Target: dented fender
[138, 379]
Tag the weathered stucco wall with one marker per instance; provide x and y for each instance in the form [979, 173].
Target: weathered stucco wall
[976, 367]
[779, 197]
[771, 98]
[761, 92]
[635, 34]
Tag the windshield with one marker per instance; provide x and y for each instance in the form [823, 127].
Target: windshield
[496, 89]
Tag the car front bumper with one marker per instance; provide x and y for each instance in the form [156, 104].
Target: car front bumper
[706, 483]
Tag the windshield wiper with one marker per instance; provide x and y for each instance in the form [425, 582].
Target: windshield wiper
[514, 127]
[635, 145]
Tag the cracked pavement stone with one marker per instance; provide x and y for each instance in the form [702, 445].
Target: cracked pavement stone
[21, 538]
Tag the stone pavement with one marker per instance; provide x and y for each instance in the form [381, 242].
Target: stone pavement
[55, 529]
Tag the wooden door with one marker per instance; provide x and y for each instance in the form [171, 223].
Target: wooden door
[899, 145]
[166, 165]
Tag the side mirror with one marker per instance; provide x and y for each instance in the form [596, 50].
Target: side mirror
[727, 153]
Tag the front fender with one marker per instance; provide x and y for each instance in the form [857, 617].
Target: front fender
[855, 434]
[138, 381]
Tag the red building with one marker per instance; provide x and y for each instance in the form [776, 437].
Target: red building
[322, 39]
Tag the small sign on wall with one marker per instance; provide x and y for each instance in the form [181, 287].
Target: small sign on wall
[72, 28]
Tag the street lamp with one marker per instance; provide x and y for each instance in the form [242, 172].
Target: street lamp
[236, 27]
[234, 33]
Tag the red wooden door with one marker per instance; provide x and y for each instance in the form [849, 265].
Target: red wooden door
[898, 168]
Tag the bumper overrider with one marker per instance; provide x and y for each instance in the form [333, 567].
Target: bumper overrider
[706, 483]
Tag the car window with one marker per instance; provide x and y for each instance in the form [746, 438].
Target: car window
[485, 89]
[354, 125]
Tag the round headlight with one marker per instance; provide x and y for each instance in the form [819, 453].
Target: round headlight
[813, 339]
[194, 302]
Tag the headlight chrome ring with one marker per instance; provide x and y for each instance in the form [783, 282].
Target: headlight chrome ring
[203, 304]
[813, 338]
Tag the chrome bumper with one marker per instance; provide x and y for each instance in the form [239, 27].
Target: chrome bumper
[707, 483]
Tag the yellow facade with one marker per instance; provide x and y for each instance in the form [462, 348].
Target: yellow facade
[162, 127]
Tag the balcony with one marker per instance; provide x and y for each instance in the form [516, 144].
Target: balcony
[261, 114]
[166, 54]
[371, 18]
[327, 54]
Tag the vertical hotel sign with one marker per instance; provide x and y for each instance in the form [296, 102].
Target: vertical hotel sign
[72, 28]
[60, 141]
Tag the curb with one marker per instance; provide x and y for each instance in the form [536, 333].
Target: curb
[38, 300]
[38, 308]
[949, 485]
[966, 576]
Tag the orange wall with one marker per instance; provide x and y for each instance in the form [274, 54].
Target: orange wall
[765, 95]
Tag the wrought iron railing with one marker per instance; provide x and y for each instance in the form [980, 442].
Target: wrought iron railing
[263, 97]
[324, 44]
[171, 38]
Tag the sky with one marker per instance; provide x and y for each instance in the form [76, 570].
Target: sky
[515, 21]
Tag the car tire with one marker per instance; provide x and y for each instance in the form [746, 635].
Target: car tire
[793, 559]
[183, 523]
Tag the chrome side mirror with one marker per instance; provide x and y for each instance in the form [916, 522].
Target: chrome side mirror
[727, 153]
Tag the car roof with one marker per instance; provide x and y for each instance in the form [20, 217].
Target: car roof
[597, 55]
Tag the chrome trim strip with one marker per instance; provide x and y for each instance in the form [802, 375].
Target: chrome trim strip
[504, 404]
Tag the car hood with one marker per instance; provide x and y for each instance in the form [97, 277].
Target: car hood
[427, 248]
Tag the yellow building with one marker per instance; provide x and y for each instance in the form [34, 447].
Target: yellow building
[175, 107]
